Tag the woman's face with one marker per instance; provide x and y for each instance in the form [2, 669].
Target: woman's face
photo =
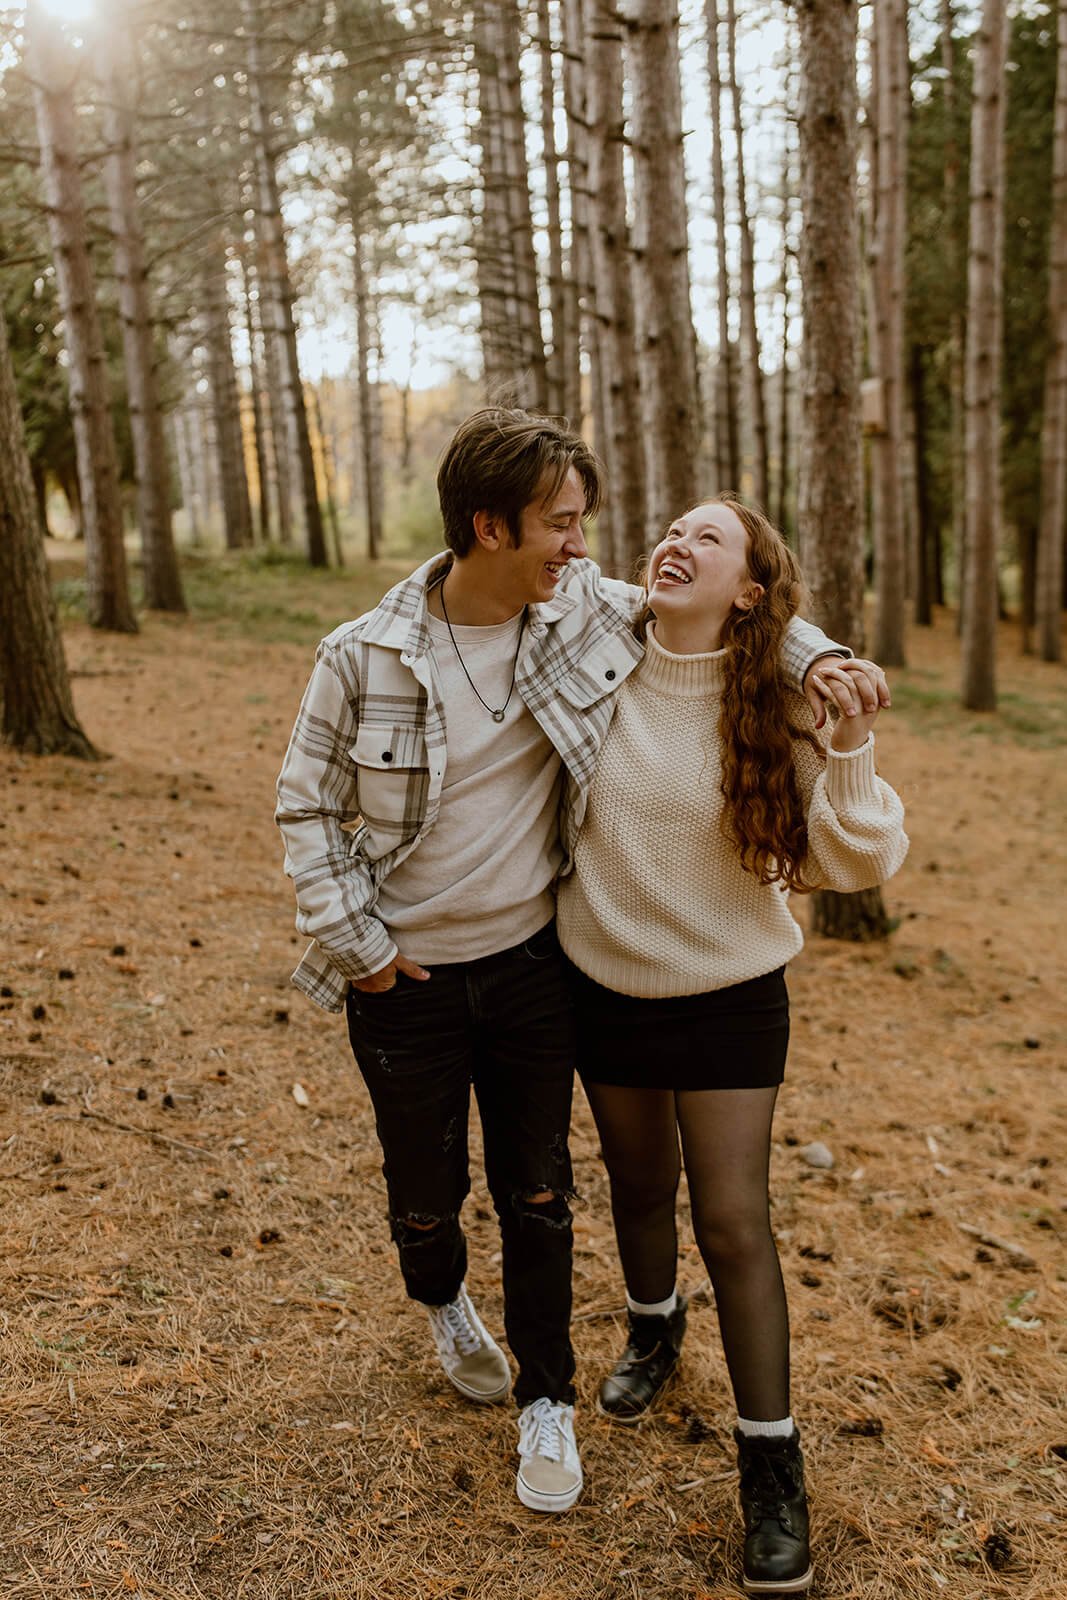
[699, 572]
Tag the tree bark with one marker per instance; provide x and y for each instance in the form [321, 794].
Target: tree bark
[222, 377]
[666, 342]
[950, 190]
[161, 575]
[830, 497]
[369, 415]
[927, 548]
[36, 706]
[889, 239]
[984, 289]
[611, 292]
[750, 347]
[259, 427]
[727, 444]
[279, 294]
[559, 364]
[53, 69]
[1049, 577]
[507, 225]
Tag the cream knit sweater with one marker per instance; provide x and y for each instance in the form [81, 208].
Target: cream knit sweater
[658, 903]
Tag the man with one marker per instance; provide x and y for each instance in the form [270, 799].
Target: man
[432, 790]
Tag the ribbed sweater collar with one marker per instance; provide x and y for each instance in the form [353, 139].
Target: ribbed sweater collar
[682, 677]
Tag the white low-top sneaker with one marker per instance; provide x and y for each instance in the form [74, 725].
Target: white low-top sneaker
[472, 1360]
[550, 1473]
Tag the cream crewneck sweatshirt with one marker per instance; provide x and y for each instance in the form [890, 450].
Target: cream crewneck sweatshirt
[658, 903]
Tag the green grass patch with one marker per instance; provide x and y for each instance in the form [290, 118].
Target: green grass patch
[931, 710]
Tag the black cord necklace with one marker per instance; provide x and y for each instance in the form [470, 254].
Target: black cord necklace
[497, 715]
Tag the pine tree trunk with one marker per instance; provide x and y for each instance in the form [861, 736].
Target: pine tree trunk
[315, 408]
[276, 289]
[750, 348]
[162, 579]
[784, 392]
[557, 365]
[927, 552]
[187, 474]
[950, 191]
[666, 342]
[984, 289]
[280, 445]
[611, 293]
[887, 340]
[52, 70]
[222, 378]
[1049, 576]
[259, 429]
[368, 412]
[497, 301]
[830, 497]
[507, 262]
[36, 706]
[727, 443]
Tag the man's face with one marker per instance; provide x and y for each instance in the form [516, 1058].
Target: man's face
[550, 535]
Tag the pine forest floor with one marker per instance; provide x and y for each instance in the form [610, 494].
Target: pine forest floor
[214, 1387]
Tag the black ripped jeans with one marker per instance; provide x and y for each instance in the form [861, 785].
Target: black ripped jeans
[504, 1024]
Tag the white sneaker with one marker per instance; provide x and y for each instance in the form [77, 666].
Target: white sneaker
[474, 1363]
[550, 1473]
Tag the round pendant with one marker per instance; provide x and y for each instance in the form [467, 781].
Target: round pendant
[498, 716]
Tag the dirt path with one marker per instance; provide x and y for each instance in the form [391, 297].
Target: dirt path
[214, 1386]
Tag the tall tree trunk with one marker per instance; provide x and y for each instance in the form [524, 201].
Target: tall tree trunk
[281, 449]
[611, 293]
[188, 483]
[950, 191]
[785, 393]
[727, 443]
[315, 408]
[984, 290]
[830, 499]
[558, 364]
[887, 342]
[162, 579]
[276, 285]
[259, 427]
[369, 431]
[1049, 579]
[927, 548]
[750, 348]
[36, 706]
[507, 262]
[52, 68]
[666, 342]
[225, 402]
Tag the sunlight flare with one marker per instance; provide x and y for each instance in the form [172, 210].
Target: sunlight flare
[68, 10]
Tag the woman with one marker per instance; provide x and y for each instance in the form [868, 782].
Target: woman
[714, 796]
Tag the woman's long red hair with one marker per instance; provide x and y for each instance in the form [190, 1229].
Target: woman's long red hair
[764, 812]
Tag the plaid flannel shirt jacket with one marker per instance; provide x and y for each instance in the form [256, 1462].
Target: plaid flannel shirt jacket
[361, 783]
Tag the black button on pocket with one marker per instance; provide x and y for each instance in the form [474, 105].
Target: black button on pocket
[387, 755]
[610, 674]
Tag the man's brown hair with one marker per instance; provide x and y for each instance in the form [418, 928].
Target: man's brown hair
[501, 460]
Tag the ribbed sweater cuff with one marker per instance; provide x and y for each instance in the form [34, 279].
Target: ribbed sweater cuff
[850, 777]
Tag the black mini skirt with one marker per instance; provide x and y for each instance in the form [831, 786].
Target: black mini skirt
[733, 1038]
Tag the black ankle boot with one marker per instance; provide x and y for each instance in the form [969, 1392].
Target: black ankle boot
[775, 1509]
[650, 1357]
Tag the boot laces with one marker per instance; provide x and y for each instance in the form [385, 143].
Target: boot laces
[771, 1485]
[456, 1324]
[540, 1433]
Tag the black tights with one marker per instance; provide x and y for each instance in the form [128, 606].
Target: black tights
[725, 1142]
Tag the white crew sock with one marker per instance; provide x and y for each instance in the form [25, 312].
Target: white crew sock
[656, 1308]
[765, 1430]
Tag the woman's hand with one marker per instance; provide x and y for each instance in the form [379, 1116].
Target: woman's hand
[857, 688]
